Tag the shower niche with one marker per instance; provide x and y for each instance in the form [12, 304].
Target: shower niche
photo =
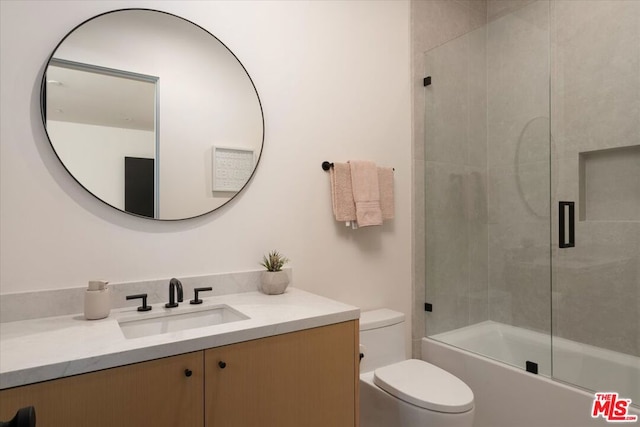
[610, 184]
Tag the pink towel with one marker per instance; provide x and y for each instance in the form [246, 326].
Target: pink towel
[344, 208]
[366, 193]
[385, 182]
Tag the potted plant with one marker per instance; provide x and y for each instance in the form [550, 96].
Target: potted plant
[274, 281]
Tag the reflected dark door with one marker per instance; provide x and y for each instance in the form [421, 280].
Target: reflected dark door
[138, 186]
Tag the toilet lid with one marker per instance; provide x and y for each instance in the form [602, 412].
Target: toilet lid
[425, 385]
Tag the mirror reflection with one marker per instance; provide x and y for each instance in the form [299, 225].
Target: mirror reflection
[152, 114]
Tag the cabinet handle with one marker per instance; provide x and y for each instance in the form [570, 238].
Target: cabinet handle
[188, 372]
[222, 364]
[24, 417]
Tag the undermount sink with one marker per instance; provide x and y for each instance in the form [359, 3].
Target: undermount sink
[167, 322]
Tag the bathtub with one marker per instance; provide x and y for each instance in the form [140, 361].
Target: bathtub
[508, 396]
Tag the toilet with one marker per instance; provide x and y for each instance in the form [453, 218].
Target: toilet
[396, 392]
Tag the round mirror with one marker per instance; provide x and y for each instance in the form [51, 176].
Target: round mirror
[152, 114]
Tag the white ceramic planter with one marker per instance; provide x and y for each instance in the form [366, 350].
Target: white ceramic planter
[274, 282]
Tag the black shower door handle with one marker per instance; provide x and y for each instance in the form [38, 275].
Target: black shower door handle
[567, 211]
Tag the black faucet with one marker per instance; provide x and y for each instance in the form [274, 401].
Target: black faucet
[174, 286]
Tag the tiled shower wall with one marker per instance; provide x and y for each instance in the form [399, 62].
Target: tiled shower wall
[488, 180]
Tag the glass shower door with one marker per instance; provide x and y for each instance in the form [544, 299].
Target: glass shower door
[596, 244]
[532, 192]
[456, 184]
[487, 185]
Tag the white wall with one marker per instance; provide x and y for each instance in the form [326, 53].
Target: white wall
[334, 82]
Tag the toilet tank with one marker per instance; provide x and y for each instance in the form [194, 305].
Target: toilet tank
[381, 338]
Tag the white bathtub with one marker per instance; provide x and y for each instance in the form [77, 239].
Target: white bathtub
[509, 396]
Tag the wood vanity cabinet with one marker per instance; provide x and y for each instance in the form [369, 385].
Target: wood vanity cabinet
[306, 378]
[156, 393]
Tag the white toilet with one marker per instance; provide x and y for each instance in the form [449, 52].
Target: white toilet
[395, 392]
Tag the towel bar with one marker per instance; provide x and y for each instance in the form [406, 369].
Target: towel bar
[328, 165]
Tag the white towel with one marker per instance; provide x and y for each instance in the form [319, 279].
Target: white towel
[366, 193]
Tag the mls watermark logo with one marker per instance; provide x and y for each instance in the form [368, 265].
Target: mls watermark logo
[612, 408]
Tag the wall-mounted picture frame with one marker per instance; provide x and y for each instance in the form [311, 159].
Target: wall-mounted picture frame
[231, 167]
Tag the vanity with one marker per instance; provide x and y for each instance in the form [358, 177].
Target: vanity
[289, 360]
[240, 358]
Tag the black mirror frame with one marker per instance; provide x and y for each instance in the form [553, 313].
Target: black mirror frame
[43, 104]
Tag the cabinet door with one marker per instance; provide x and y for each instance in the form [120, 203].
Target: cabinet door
[306, 378]
[156, 393]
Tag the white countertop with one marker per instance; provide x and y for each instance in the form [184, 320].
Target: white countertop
[42, 349]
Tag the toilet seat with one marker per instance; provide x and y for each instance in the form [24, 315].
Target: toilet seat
[425, 385]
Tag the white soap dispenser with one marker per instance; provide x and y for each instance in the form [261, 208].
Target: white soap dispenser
[97, 300]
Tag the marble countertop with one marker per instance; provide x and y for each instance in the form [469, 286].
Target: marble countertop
[54, 347]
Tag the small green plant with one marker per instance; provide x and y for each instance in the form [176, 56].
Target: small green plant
[274, 261]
